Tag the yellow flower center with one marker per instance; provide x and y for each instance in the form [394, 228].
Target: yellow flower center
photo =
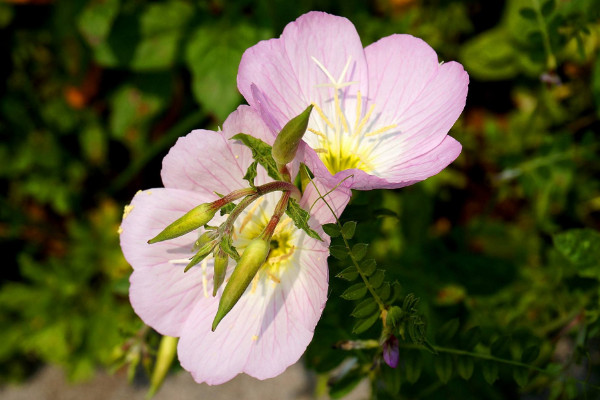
[339, 144]
[282, 242]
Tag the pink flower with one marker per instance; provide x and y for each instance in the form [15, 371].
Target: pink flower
[271, 325]
[382, 113]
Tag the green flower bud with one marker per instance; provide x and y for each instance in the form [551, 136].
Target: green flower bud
[166, 354]
[287, 141]
[221, 261]
[252, 259]
[202, 253]
[193, 219]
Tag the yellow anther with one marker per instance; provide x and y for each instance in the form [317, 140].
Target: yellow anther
[282, 225]
[283, 257]
[254, 284]
[322, 115]
[380, 130]
[320, 134]
[120, 230]
[358, 110]
[363, 122]
[338, 110]
[254, 338]
[250, 214]
[273, 277]
[321, 150]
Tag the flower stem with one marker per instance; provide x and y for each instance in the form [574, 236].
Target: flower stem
[279, 210]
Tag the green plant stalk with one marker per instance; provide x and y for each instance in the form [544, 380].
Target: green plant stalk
[550, 59]
[375, 296]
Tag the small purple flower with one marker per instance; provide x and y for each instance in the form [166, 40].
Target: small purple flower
[391, 352]
[274, 320]
[382, 113]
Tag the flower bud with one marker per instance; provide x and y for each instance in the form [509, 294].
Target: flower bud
[252, 259]
[391, 353]
[221, 261]
[202, 253]
[287, 141]
[166, 354]
[193, 219]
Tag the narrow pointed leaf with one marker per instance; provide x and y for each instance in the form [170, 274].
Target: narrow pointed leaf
[300, 217]
[489, 370]
[261, 152]
[251, 173]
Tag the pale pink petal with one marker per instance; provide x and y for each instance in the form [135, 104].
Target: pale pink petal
[160, 293]
[205, 162]
[285, 74]
[291, 313]
[412, 91]
[338, 197]
[148, 214]
[423, 166]
[164, 296]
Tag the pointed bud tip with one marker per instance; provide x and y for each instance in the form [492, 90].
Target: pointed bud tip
[287, 141]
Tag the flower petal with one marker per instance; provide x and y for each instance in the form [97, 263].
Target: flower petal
[286, 76]
[423, 99]
[160, 293]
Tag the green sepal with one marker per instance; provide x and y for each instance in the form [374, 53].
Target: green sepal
[300, 217]
[261, 152]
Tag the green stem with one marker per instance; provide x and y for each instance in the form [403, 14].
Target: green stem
[550, 59]
[370, 288]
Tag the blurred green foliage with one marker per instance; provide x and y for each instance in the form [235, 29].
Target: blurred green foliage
[506, 239]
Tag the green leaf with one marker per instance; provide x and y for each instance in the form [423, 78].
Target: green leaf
[521, 376]
[500, 346]
[394, 317]
[365, 308]
[489, 370]
[384, 291]
[413, 365]
[348, 229]
[359, 251]
[368, 266]
[213, 54]
[96, 20]
[348, 274]
[333, 230]
[528, 13]
[490, 55]
[548, 8]
[355, 292]
[396, 292]
[447, 331]
[251, 173]
[364, 324]
[261, 152]
[338, 252]
[470, 338]
[443, 367]
[377, 279]
[342, 387]
[227, 246]
[300, 217]
[227, 209]
[582, 248]
[530, 354]
[464, 366]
